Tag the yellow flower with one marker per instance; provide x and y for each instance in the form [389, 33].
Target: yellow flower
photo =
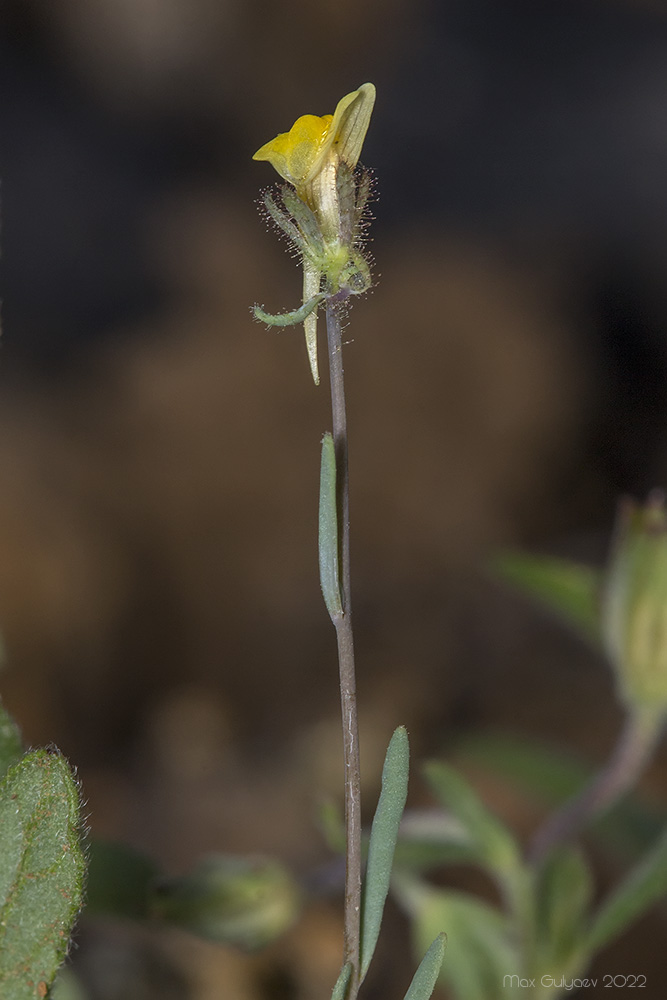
[309, 154]
[310, 157]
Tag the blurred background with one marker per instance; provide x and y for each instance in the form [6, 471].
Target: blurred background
[159, 451]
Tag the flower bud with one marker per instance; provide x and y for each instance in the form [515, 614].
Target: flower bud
[634, 607]
[247, 902]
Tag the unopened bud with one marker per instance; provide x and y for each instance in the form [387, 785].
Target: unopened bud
[247, 902]
[634, 608]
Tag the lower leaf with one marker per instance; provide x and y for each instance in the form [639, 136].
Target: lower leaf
[41, 872]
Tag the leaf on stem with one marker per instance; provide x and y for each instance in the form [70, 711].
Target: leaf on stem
[551, 776]
[567, 588]
[426, 976]
[430, 838]
[384, 833]
[340, 989]
[41, 872]
[564, 892]
[642, 888]
[480, 942]
[495, 845]
[328, 530]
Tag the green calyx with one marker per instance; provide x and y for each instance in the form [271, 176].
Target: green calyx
[334, 264]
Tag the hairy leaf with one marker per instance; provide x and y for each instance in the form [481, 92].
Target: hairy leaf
[41, 872]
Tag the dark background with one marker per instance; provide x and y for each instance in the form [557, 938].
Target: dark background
[507, 381]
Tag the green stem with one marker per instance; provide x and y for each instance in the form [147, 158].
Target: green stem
[343, 625]
[628, 759]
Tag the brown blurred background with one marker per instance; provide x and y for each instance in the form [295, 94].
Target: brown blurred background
[159, 451]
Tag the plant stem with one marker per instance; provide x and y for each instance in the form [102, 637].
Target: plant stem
[629, 757]
[343, 625]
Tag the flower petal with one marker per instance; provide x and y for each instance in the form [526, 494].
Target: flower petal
[350, 123]
[293, 153]
[300, 154]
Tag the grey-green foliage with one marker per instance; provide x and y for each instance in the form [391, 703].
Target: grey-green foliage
[495, 846]
[41, 872]
[548, 922]
[384, 834]
[428, 837]
[340, 989]
[381, 849]
[568, 588]
[426, 976]
[549, 776]
[328, 530]
[641, 889]
[564, 893]
[481, 947]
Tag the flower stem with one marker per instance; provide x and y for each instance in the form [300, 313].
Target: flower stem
[343, 625]
[628, 759]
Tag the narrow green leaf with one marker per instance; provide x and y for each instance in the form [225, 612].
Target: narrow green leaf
[568, 588]
[340, 989]
[495, 845]
[640, 890]
[10, 741]
[328, 530]
[384, 833]
[564, 892]
[481, 941]
[426, 838]
[540, 769]
[41, 872]
[551, 776]
[430, 838]
[426, 976]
